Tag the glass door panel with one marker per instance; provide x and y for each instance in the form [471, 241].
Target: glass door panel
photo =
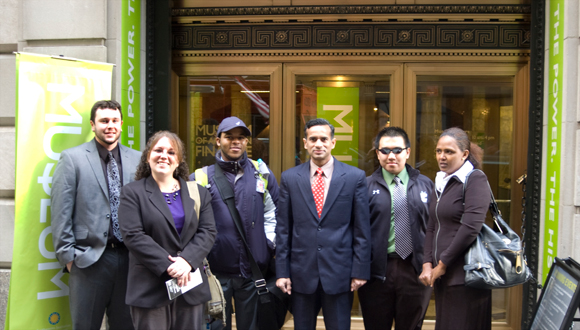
[209, 99]
[358, 106]
[484, 108]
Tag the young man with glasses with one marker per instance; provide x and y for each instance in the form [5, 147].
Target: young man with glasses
[398, 202]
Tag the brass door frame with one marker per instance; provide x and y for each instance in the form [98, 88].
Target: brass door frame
[274, 70]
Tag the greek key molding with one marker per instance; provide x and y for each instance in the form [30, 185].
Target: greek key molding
[349, 36]
[324, 10]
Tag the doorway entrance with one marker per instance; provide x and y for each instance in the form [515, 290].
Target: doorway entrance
[488, 100]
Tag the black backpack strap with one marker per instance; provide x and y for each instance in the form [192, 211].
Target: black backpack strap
[227, 194]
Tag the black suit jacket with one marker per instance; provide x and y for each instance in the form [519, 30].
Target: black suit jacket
[150, 235]
[419, 189]
[332, 249]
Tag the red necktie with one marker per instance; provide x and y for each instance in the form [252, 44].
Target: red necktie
[318, 190]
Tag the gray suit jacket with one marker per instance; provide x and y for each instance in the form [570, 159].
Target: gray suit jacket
[80, 209]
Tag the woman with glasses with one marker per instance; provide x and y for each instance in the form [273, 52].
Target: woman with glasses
[166, 239]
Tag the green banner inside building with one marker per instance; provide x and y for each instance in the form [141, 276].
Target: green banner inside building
[340, 106]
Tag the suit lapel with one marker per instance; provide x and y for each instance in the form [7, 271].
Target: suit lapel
[95, 163]
[126, 165]
[306, 188]
[188, 209]
[156, 198]
[336, 185]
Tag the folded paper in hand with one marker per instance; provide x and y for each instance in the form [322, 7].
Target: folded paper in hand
[174, 290]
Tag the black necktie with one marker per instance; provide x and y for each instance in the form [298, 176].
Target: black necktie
[114, 193]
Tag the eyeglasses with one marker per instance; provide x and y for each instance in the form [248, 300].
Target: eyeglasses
[396, 151]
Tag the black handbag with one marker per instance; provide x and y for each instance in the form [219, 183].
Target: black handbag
[496, 258]
[273, 304]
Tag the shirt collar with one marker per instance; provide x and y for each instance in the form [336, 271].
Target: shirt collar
[104, 153]
[389, 177]
[326, 168]
[441, 179]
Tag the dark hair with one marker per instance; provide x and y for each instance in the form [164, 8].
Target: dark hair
[392, 132]
[182, 170]
[475, 156]
[105, 104]
[319, 122]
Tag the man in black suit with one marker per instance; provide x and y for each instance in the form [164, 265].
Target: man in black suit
[323, 233]
[85, 230]
[398, 200]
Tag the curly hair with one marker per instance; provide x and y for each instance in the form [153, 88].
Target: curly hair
[462, 140]
[182, 170]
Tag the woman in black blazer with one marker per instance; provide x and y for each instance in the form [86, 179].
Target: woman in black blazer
[165, 238]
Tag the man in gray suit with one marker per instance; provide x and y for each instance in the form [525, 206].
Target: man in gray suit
[85, 229]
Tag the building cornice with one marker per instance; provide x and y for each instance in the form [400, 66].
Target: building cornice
[365, 10]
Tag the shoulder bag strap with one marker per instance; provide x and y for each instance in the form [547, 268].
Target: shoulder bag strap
[193, 188]
[227, 194]
[493, 208]
[194, 194]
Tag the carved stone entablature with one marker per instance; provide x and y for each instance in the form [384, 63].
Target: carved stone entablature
[354, 36]
[332, 10]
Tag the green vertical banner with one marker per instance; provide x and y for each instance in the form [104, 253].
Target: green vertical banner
[554, 132]
[54, 100]
[130, 69]
[340, 106]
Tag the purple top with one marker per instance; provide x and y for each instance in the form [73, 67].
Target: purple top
[176, 208]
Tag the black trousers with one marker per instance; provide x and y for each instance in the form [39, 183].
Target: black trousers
[462, 307]
[335, 309]
[101, 288]
[245, 297]
[401, 298]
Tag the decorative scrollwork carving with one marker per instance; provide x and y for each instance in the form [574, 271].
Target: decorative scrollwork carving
[535, 38]
[221, 37]
[282, 36]
[467, 36]
[342, 36]
[404, 36]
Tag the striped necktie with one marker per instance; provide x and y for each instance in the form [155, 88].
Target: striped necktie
[403, 239]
